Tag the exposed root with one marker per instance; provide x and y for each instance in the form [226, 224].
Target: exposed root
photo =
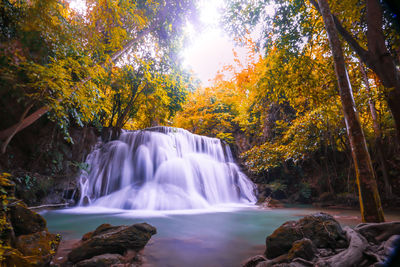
[378, 232]
[304, 262]
[352, 256]
[370, 244]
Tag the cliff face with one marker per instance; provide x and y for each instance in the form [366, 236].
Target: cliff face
[44, 166]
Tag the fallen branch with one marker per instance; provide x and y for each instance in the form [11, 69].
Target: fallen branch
[49, 206]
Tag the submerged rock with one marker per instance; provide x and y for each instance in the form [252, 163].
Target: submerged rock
[112, 239]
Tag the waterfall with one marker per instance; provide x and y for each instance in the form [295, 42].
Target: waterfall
[163, 168]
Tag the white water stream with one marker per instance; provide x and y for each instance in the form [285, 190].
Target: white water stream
[163, 168]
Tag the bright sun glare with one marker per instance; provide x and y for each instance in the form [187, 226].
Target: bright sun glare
[208, 50]
[211, 49]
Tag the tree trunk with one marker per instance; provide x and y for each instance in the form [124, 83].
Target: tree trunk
[122, 117]
[15, 130]
[381, 61]
[378, 135]
[23, 124]
[377, 58]
[370, 203]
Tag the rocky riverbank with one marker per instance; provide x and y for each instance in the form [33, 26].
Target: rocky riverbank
[319, 240]
[24, 239]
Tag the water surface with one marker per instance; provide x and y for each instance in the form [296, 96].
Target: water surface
[219, 237]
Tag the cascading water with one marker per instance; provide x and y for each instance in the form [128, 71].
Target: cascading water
[163, 168]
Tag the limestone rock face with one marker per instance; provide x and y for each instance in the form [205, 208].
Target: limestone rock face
[321, 228]
[112, 239]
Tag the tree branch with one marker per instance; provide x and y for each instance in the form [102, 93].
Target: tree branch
[361, 52]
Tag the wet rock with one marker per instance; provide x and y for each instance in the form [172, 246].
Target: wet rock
[264, 191]
[41, 245]
[303, 248]
[85, 201]
[272, 203]
[114, 240]
[100, 229]
[321, 228]
[25, 221]
[104, 260]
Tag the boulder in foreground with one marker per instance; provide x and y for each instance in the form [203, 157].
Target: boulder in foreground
[107, 239]
[321, 228]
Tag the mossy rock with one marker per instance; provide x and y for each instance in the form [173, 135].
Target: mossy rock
[102, 228]
[24, 239]
[303, 248]
[25, 221]
[12, 257]
[6, 230]
[42, 245]
[321, 228]
[281, 240]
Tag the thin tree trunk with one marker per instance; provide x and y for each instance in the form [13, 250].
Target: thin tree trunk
[370, 203]
[15, 130]
[120, 121]
[382, 61]
[9, 133]
[377, 57]
[378, 135]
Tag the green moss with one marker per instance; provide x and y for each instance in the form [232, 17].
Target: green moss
[37, 246]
